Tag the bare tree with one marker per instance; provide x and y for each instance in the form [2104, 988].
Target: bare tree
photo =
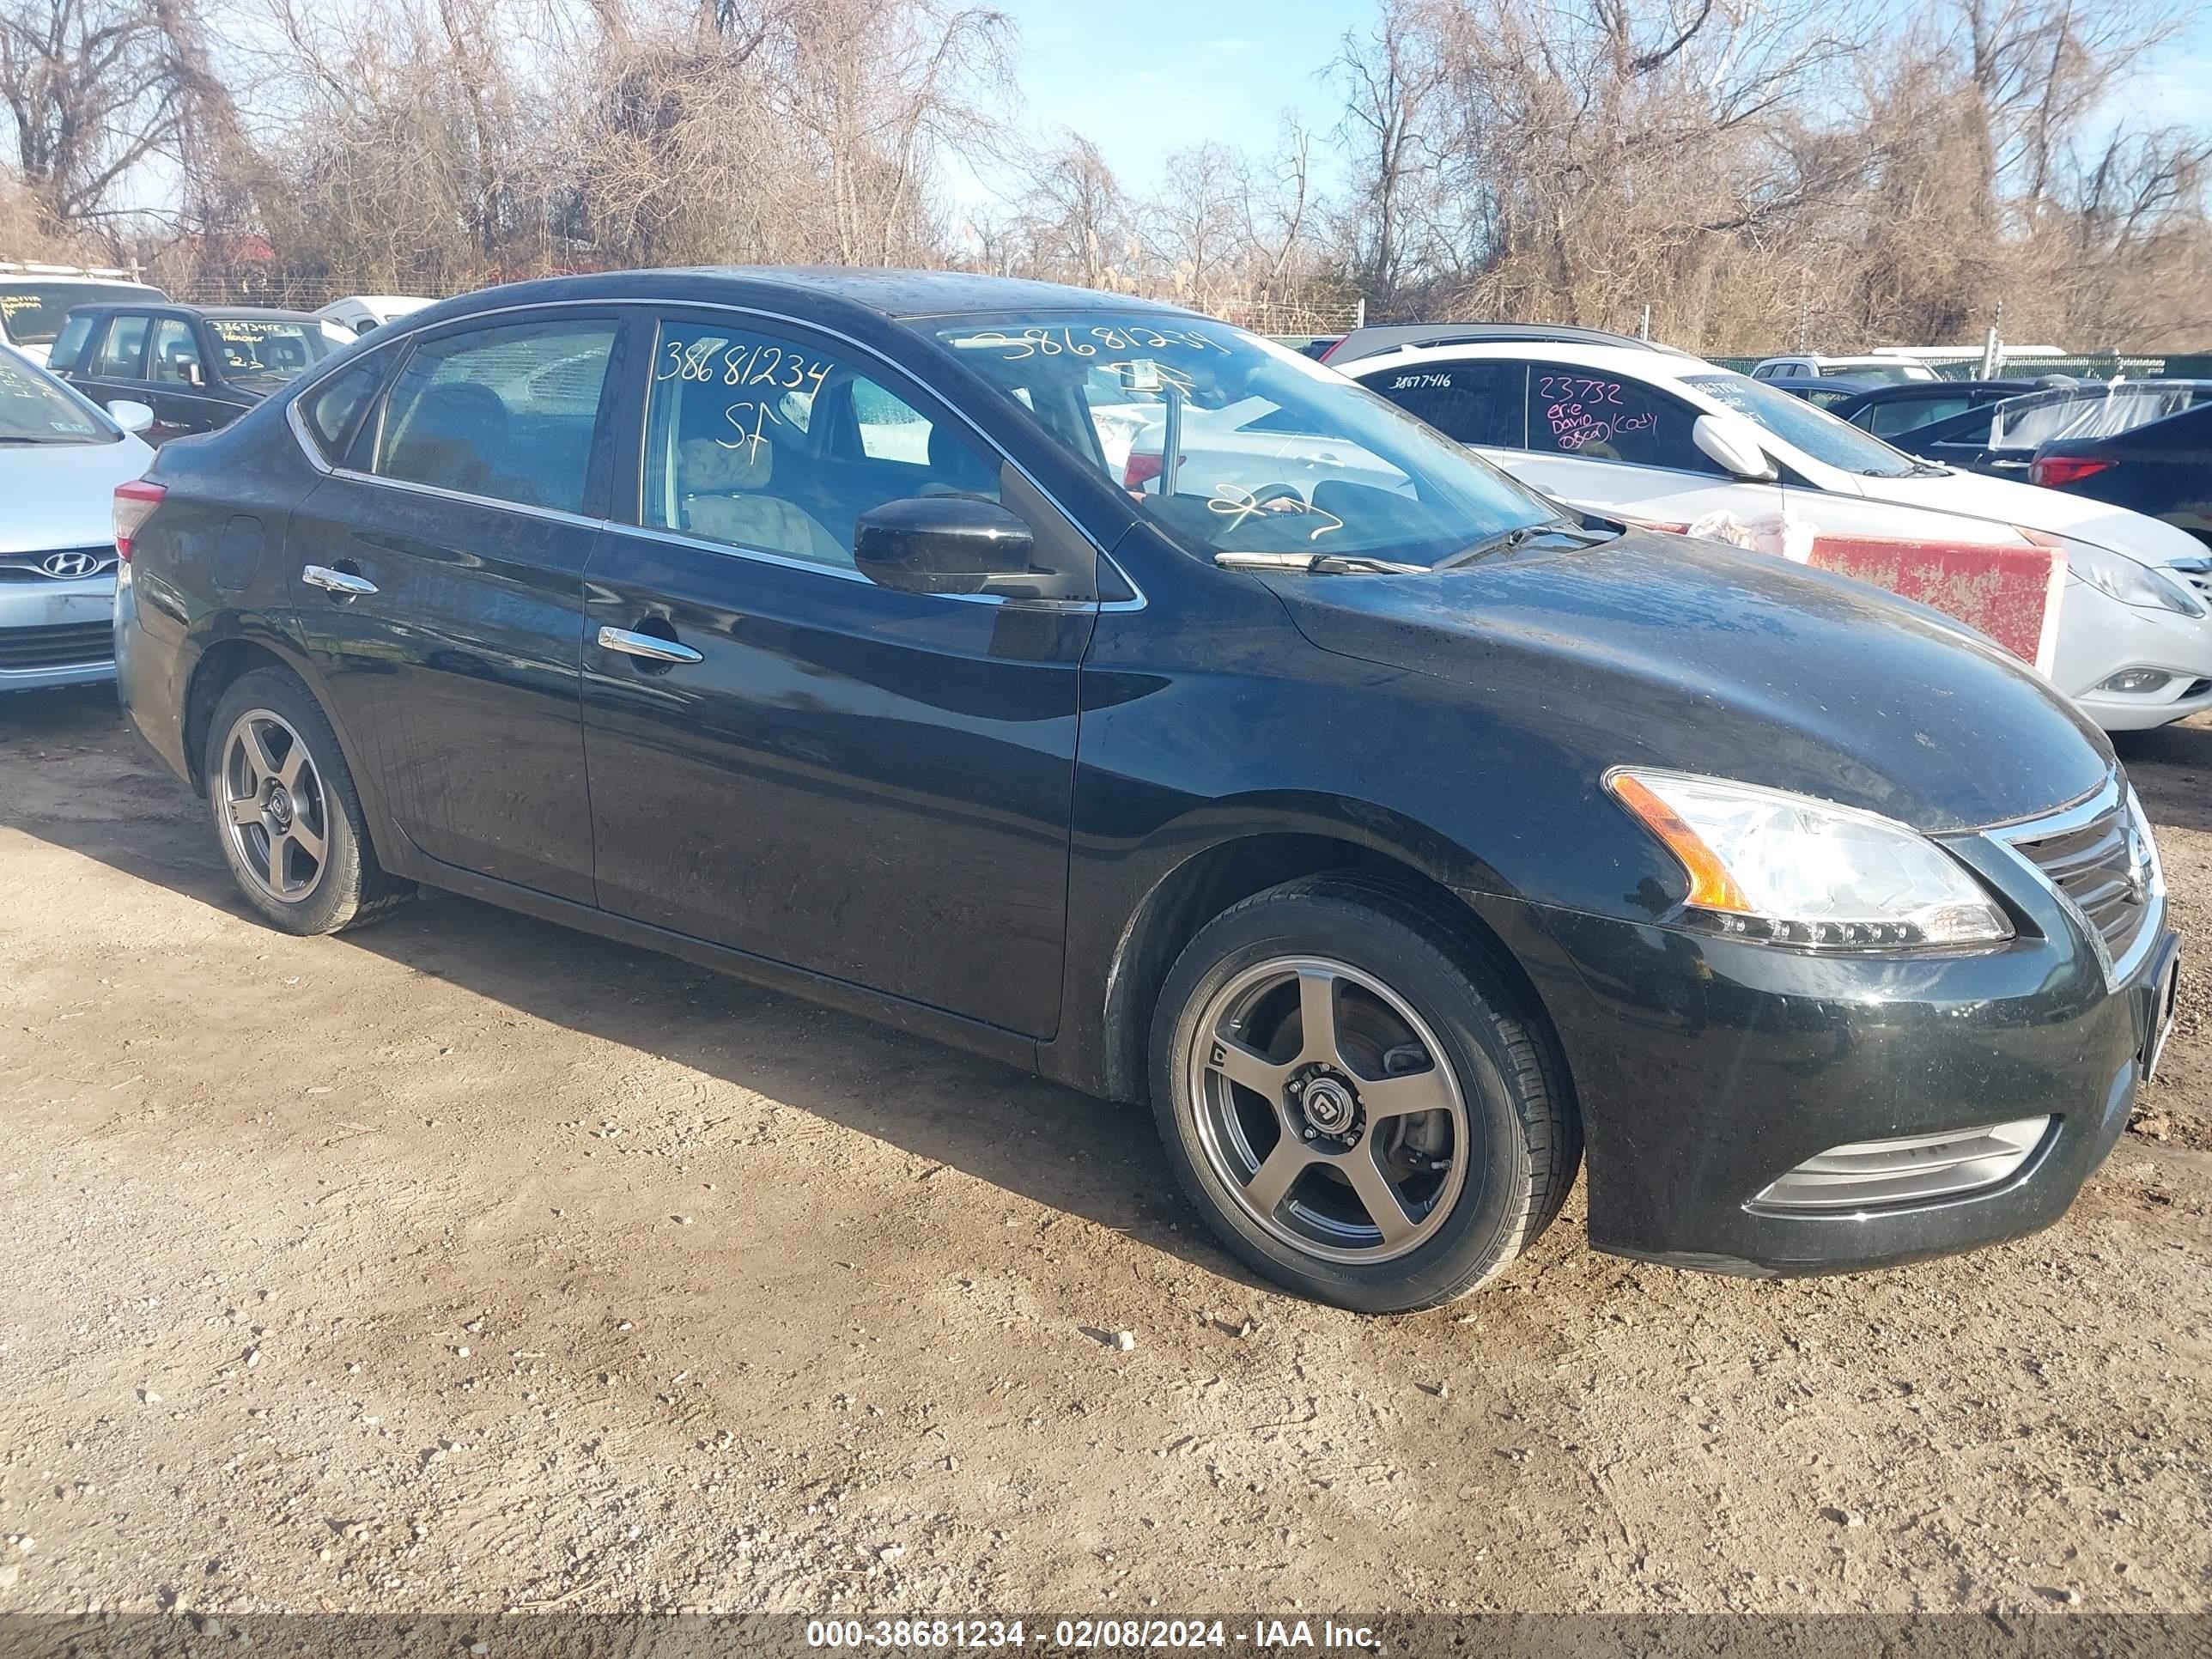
[93, 90]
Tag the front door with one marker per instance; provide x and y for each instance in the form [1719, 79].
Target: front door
[868, 784]
[437, 577]
[177, 388]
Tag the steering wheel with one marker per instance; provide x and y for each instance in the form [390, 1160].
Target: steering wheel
[1276, 492]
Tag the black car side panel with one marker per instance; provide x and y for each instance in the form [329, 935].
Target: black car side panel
[864, 783]
[460, 677]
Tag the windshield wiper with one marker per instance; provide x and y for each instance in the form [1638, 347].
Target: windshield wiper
[1318, 564]
[1505, 541]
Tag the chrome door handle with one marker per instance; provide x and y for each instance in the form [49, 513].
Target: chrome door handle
[343, 583]
[650, 646]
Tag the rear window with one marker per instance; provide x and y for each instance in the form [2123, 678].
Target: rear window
[33, 311]
[2030, 422]
[504, 412]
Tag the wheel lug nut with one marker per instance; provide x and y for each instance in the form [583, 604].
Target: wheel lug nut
[1311, 1132]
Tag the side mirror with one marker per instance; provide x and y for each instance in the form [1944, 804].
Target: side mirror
[1732, 444]
[941, 544]
[194, 374]
[132, 417]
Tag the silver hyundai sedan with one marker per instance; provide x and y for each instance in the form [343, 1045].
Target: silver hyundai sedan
[61, 457]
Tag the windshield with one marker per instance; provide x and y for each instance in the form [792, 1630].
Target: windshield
[35, 409]
[2097, 412]
[1812, 431]
[1275, 454]
[269, 348]
[33, 311]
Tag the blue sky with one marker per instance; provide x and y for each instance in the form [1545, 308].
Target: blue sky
[1141, 78]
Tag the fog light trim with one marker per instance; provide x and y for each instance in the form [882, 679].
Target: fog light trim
[1906, 1169]
[2139, 681]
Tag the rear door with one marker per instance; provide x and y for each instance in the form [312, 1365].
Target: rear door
[866, 783]
[1622, 447]
[437, 572]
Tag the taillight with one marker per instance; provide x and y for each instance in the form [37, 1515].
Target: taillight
[133, 504]
[2057, 471]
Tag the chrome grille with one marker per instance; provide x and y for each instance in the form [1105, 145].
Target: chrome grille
[2101, 859]
[24, 567]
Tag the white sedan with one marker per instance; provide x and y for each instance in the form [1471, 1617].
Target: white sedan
[1654, 435]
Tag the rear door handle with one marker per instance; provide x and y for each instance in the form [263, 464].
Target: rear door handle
[650, 646]
[343, 583]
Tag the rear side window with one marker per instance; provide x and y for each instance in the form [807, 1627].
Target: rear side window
[1600, 417]
[1478, 403]
[124, 348]
[506, 413]
[334, 409]
[69, 343]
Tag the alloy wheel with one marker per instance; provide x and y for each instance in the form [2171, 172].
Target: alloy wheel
[1328, 1108]
[273, 806]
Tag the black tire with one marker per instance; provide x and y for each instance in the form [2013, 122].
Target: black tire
[349, 888]
[1523, 1142]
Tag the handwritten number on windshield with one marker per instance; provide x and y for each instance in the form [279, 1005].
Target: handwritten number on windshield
[1080, 343]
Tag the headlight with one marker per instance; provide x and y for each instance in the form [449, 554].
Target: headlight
[2120, 576]
[1785, 869]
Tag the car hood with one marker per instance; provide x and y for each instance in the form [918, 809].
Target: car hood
[1662, 650]
[2031, 508]
[64, 494]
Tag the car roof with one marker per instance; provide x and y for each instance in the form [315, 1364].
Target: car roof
[1842, 385]
[1899, 390]
[899, 296]
[249, 313]
[1379, 337]
[1635, 361]
[171, 309]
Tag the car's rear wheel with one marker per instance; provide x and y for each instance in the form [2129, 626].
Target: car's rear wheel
[286, 812]
[1352, 1100]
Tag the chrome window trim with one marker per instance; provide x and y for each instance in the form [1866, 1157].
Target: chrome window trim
[842, 572]
[2106, 797]
[553, 514]
[302, 387]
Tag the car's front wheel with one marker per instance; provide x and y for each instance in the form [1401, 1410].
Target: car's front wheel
[286, 813]
[1354, 1102]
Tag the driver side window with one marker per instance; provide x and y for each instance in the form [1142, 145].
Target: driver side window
[765, 442]
[1595, 416]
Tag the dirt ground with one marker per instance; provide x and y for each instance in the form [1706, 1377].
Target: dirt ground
[467, 1263]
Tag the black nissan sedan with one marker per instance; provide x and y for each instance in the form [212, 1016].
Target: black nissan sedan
[1104, 689]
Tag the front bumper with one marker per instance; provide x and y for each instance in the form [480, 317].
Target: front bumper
[1707, 1070]
[76, 652]
[2099, 637]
